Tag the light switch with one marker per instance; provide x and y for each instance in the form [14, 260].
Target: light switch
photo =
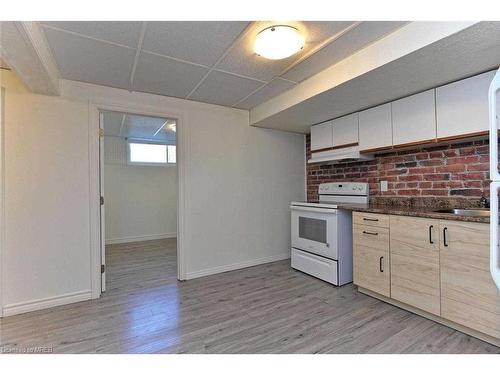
[383, 186]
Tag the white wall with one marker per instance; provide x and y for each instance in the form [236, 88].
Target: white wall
[238, 185]
[46, 250]
[141, 201]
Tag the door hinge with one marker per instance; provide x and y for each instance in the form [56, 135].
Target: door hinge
[103, 268]
[101, 200]
[101, 132]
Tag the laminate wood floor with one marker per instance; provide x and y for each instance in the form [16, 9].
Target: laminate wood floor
[264, 309]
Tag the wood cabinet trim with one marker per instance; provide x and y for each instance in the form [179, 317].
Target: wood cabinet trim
[335, 147]
[463, 136]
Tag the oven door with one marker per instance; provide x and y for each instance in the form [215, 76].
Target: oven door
[314, 230]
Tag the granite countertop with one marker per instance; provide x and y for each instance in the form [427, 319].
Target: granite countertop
[403, 210]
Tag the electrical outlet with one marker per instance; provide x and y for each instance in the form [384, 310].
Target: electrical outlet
[383, 186]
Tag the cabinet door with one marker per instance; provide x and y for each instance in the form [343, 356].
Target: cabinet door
[462, 107]
[321, 136]
[468, 294]
[375, 128]
[415, 262]
[345, 130]
[414, 118]
[371, 259]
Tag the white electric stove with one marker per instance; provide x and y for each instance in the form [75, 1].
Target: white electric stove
[322, 232]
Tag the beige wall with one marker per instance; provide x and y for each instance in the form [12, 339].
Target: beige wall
[141, 201]
[238, 185]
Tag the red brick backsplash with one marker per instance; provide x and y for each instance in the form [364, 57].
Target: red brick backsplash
[457, 170]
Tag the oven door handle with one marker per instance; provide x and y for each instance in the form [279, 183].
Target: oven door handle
[332, 211]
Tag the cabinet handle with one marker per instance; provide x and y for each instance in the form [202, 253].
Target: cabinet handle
[430, 233]
[444, 236]
[372, 233]
[380, 264]
[369, 219]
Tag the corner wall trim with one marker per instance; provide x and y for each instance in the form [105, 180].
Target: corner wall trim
[45, 303]
[149, 237]
[236, 266]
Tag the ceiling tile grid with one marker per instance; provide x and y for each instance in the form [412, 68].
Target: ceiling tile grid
[208, 61]
[342, 47]
[224, 89]
[198, 42]
[160, 75]
[89, 60]
[120, 32]
[273, 88]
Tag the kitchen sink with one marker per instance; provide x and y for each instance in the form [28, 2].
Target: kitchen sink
[466, 211]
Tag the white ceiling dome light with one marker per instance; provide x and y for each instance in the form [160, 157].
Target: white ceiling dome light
[278, 42]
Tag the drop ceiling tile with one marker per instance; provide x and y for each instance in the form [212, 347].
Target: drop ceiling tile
[197, 42]
[347, 44]
[224, 89]
[243, 60]
[273, 88]
[160, 75]
[92, 61]
[142, 127]
[112, 122]
[126, 33]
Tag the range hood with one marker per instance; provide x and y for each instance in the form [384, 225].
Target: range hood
[339, 155]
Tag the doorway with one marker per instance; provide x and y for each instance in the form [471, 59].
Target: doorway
[138, 196]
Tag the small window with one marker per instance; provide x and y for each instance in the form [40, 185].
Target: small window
[143, 153]
[171, 154]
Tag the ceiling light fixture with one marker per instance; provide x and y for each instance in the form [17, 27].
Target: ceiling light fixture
[278, 42]
[172, 127]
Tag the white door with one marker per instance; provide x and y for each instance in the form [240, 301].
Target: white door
[462, 107]
[101, 190]
[414, 118]
[375, 128]
[345, 130]
[321, 136]
[494, 105]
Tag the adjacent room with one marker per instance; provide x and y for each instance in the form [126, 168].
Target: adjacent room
[138, 182]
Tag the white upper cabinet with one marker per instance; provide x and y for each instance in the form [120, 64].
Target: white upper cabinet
[414, 118]
[375, 128]
[345, 130]
[321, 136]
[462, 107]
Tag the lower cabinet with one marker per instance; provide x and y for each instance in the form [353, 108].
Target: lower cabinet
[468, 294]
[415, 262]
[439, 267]
[371, 268]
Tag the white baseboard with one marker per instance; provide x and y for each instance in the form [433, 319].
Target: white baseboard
[236, 266]
[112, 241]
[45, 303]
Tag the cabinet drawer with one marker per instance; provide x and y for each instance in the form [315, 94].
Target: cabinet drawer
[371, 265]
[372, 237]
[367, 218]
[322, 268]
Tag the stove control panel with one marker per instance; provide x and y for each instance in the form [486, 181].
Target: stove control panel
[343, 188]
